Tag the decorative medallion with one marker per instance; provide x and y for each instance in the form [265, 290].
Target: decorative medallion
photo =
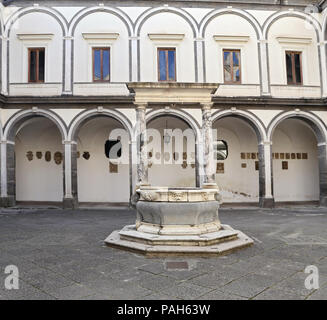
[47, 156]
[205, 196]
[29, 155]
[167, 156]
[220, 167]
[149, 195]
[177, 196]
[86, 155]
[39, 154]
[57, 157]
[113, 167]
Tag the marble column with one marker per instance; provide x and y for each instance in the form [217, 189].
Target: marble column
[70, 200]
[266, 198]
[8, 174]
[142, 157]
[208, 153]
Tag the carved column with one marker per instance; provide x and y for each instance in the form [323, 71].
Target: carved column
[208, 153]
[8, 174]
[266, 198]
[70, 200]
[142, 157]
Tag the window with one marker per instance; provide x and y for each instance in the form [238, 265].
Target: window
[36, 62]
[232, 66]
[293, 67]
[167, 64]
[221, 149]
[101, 64]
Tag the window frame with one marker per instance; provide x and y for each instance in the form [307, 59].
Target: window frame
[166, 49]
[37, 49]
[232, 64]
[292, 52]
[101, 65]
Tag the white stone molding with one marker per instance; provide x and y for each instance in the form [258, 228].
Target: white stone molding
[111, 36]
[166, 36]
[230, 38]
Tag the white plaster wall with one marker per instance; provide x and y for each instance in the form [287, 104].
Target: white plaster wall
[101, 22]
[36, 23]
[167, 23]
[38, 180]
[221, 25]
[238, 184]
[95, 182]
[170, 175]
[292, 27]
[301, 181]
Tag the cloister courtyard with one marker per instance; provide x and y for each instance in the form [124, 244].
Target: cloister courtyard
[60, 254]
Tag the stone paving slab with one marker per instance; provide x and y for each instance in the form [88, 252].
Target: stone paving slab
[61, 254]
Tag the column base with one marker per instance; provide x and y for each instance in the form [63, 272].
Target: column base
[6, 202]
[267, 202]
[70, 203]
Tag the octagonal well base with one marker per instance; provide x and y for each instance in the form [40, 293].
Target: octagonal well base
[217, 243]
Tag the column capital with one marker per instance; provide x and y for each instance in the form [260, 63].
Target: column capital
[69, 142]
[7, 142]
[207, 106]
[140, 106]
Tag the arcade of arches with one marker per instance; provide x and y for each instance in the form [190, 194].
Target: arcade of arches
[297, 161]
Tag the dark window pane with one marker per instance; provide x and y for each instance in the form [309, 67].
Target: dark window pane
[171, 64]
[162, 65]
[97, 65]
[297, 61]
[41, 65]
[32, 76]
[289, 68]
[106, 65]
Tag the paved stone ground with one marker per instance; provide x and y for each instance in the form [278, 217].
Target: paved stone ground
[60, 255]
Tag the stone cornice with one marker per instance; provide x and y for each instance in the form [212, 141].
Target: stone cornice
[128, 101]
